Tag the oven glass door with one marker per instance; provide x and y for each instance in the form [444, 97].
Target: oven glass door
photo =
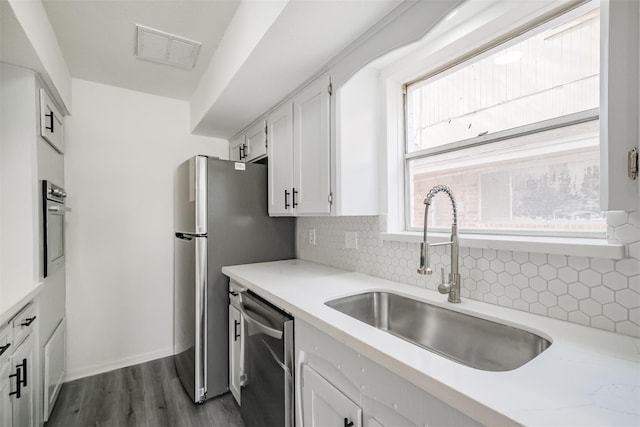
[54, 249]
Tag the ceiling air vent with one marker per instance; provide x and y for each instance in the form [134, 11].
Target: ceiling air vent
[164, 48]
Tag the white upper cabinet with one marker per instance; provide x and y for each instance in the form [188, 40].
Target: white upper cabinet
[299, 153]
[619, 99]
[311, 149]
[236, 148]
[280, 151]
[51, 125]
[250, 145]
[256, 142]
[355, 145]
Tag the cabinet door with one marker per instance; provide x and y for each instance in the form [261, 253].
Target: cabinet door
[23, 407]
[620, 106]
[51, 127]
[54, 367]
[325, 405]
[5, 389]
[235, 352]
[256, 141]
[236, 149]
[280, 131]
[311, 179]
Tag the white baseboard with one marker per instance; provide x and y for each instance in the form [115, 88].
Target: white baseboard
[88, 371]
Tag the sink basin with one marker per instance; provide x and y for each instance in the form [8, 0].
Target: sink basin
[469, 340]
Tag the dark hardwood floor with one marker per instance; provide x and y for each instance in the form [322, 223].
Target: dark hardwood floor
[148, 395]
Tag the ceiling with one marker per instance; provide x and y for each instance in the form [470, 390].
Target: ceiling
[304, 38]
[97, 39]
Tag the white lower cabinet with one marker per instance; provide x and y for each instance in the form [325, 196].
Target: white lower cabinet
[5, 398]
[22, 383]
[54, 367]
[235, 352]
[325, 405]
[337, 386]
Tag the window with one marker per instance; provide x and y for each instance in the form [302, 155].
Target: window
[514, 133]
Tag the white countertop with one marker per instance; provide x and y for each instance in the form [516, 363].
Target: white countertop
[586, 377]
[12, 308]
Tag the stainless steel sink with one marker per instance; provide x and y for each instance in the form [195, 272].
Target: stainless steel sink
[466, 339]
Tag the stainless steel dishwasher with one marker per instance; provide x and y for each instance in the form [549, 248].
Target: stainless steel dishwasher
[267, 395]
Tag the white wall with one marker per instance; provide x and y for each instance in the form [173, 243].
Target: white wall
[19, 224]
[122, 148]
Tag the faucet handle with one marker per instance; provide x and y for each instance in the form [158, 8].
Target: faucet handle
[443, 287]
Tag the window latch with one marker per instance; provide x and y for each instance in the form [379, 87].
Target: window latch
[632, 163]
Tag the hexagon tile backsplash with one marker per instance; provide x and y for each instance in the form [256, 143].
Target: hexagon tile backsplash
[600, 293]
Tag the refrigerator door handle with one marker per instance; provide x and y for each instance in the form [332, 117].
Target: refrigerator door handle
[189, 236]
[267, 330]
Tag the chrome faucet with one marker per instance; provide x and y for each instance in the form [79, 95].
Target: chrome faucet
[452, 287]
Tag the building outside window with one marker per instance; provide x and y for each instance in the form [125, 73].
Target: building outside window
[514, 132]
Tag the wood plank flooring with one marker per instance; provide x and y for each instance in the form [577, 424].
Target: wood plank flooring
[145, 395]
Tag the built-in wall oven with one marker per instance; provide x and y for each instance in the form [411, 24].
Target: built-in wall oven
[53, 203]
[267, 394]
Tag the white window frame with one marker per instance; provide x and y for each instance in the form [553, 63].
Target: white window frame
[535, 26]
[394, 74]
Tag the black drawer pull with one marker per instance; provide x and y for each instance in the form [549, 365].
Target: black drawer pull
[18, 391]
[28, 321]
[295, 193]
[236, 335]
[22, 367]
[50, 116]
[347, 423]
[4, 348]
[286, 199]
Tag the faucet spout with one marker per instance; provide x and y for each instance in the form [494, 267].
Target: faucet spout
[452, 287]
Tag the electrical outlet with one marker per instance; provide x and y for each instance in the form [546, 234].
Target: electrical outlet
[312, 236]
[351, 239]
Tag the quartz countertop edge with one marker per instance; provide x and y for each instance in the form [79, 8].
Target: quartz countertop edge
[586, 377]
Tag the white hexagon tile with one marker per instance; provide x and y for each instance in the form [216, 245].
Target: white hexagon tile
[600, 293]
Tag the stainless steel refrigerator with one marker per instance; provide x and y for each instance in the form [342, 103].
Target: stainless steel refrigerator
[221, 218]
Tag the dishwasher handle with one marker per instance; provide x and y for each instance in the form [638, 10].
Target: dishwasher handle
[267, 330]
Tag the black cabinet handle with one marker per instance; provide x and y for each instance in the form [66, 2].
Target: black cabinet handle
[241, 150]
[28, 321]
[50, 116]
[4, 348]
[295, 192]
[18, 391]
[286, 199]
[347, 423]
[236, 335]
[22, 369]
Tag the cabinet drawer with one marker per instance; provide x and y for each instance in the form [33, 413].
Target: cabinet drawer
[6, 342]
[23, 323]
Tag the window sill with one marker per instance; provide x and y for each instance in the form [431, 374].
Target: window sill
[592, 248]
